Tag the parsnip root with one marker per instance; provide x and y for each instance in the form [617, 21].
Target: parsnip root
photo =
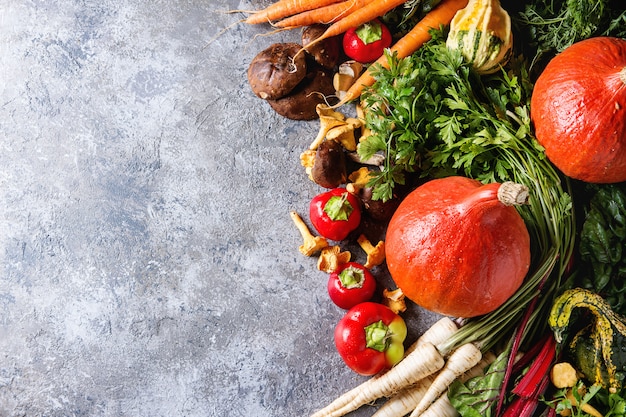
[442, 407]
[436, 334]
[462, 359]
[407, 400]
[423, 361]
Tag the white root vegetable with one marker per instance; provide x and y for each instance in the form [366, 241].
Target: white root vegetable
[461, 360]
[479, 369]
[407, 400]
[423, 361]
[436, 334]
[442, 407]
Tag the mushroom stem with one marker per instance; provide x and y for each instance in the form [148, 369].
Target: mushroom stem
[395, 300]
[358, 180]
[375, 254]
[312, 244]
[331, 258]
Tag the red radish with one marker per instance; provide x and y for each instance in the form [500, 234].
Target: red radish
[367, 42]
[350, 285]
[335, 213]
[454, 247]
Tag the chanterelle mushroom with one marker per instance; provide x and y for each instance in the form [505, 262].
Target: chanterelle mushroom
[331, 258]
[358, 180]
[360, 114]
[312, 244]
[375, 254]
[395, 300]
[329, 118]
[307, 160]
[344, 133]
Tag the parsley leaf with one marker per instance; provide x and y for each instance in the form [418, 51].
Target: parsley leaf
[433, 104]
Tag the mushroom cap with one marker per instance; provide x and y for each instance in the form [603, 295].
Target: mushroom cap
[327, 52]
[300, 104]
[277, 70]
[329, 166]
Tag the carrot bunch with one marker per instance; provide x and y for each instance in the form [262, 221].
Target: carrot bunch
[344, 13]
[341, 15]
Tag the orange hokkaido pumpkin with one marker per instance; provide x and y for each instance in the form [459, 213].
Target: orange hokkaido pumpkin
[453, 247]
[578, 108]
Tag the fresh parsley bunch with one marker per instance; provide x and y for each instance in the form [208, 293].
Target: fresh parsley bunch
[431, 113]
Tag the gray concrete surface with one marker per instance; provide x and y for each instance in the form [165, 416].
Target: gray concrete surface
[149, 265]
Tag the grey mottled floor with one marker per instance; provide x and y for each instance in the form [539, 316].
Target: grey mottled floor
[149, 265]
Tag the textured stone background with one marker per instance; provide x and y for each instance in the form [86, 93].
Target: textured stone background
[149, 265]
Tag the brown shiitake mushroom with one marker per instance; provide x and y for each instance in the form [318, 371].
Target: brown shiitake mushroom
[329, 166]
[325, 53]
[378, 210]
[274, 72]
[300, 104]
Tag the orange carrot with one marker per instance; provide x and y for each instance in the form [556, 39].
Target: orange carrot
[370, 11]
[325, 15]
[285, 8]
[442, 14]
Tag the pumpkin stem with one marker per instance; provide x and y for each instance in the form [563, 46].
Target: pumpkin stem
[513, 194]
[622, 75]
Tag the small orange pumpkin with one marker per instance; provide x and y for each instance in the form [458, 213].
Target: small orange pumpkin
[453, 247]
[578, 108]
